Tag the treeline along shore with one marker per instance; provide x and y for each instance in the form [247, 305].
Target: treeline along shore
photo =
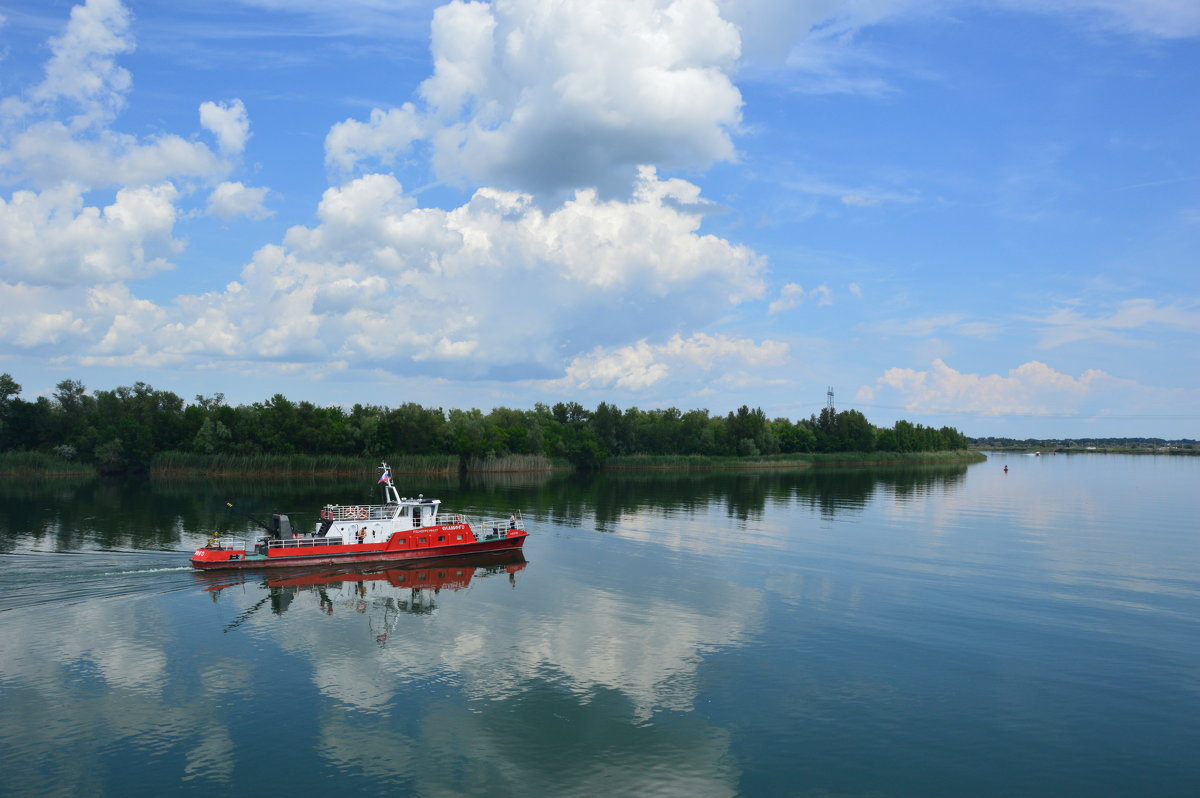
[138, 429]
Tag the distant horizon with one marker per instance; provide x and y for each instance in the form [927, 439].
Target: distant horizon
[984, 217]
[1096, 439]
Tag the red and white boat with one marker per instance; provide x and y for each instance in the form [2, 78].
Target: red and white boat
[399, 529]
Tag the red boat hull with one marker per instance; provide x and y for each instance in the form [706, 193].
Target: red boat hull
[211, 558]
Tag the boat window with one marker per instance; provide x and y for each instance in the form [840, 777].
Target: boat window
[458, 537]
[441, 538]
[422, 540]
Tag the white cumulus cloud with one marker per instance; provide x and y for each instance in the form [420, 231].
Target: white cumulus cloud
[92, 207]
[48, 152]
[792, 295]
[384, 136]
[496, 287]
[228, 122]
[61, 130]
[1033, 388]
[52, 238]
[82, 69]
[231, 199]
[641, 365]
[550, 95]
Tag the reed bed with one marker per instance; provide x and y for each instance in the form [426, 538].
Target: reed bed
[686, 462]
[514, 463]
[41, 464]
[896, 458]
[184, 464]
[799, 460]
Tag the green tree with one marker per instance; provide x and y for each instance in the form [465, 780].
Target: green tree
[412, 429]
[213, 437]
[73, 406]
[583, 449]
[854, 432]
[825, 430]
[885, 440]
[471, 436]
[9, 390]
[793, 437]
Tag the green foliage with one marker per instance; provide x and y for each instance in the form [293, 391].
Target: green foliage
[137, 429]
[8, 389]
[583, 449]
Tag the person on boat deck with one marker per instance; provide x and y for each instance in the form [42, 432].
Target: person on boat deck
[362, 535]
[512, 521]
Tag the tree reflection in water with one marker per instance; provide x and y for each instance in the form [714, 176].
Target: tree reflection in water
[66, 515]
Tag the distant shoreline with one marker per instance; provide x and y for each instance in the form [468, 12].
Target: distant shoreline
[1166, 452]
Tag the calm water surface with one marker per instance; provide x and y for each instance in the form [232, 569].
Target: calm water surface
[939, 631]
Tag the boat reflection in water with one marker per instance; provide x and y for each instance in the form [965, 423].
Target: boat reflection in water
[383, 594]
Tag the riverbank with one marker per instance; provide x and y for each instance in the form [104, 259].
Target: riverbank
[177, 465]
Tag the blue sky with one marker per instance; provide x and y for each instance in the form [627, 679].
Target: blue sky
[977, 214]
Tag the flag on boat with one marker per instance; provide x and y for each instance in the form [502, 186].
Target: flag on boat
[386, 476]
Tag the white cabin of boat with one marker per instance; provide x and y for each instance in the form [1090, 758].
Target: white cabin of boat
[375, 523]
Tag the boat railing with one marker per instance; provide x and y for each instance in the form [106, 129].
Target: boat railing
[359, 512]
[226, 544]
[498, 527]
[301, 543]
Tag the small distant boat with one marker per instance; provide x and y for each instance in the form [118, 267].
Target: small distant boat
[399, 529]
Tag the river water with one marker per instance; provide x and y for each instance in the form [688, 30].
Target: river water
[915, 631]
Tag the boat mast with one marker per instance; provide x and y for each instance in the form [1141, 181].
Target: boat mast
[390, 494]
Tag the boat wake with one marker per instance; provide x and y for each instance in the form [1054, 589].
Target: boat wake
[187, 568]
[33, 578]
